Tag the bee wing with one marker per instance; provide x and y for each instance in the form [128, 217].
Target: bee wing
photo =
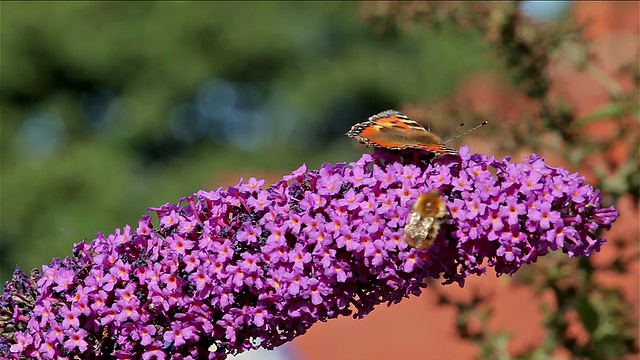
[417, 231]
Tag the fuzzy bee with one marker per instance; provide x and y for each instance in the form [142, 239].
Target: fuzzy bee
[424, 220]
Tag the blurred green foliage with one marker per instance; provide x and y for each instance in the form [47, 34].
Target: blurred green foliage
[109, 108]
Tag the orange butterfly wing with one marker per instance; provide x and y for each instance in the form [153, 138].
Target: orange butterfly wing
[396, 131]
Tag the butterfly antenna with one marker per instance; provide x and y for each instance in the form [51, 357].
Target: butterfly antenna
[466, 132]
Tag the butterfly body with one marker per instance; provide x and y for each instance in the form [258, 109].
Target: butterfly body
[424, 220]
[394, 130]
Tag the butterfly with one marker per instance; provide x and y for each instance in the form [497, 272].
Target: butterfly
[394, 130]
[424, 220]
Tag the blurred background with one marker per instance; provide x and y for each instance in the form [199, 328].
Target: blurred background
[110, 108]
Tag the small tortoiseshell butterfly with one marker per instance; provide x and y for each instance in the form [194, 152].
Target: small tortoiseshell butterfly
[424, 220]
[394, 130]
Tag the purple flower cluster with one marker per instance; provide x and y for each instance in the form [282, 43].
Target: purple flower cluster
[229, 270]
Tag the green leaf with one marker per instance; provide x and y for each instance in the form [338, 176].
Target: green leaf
[611, 109]
[588, 314]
